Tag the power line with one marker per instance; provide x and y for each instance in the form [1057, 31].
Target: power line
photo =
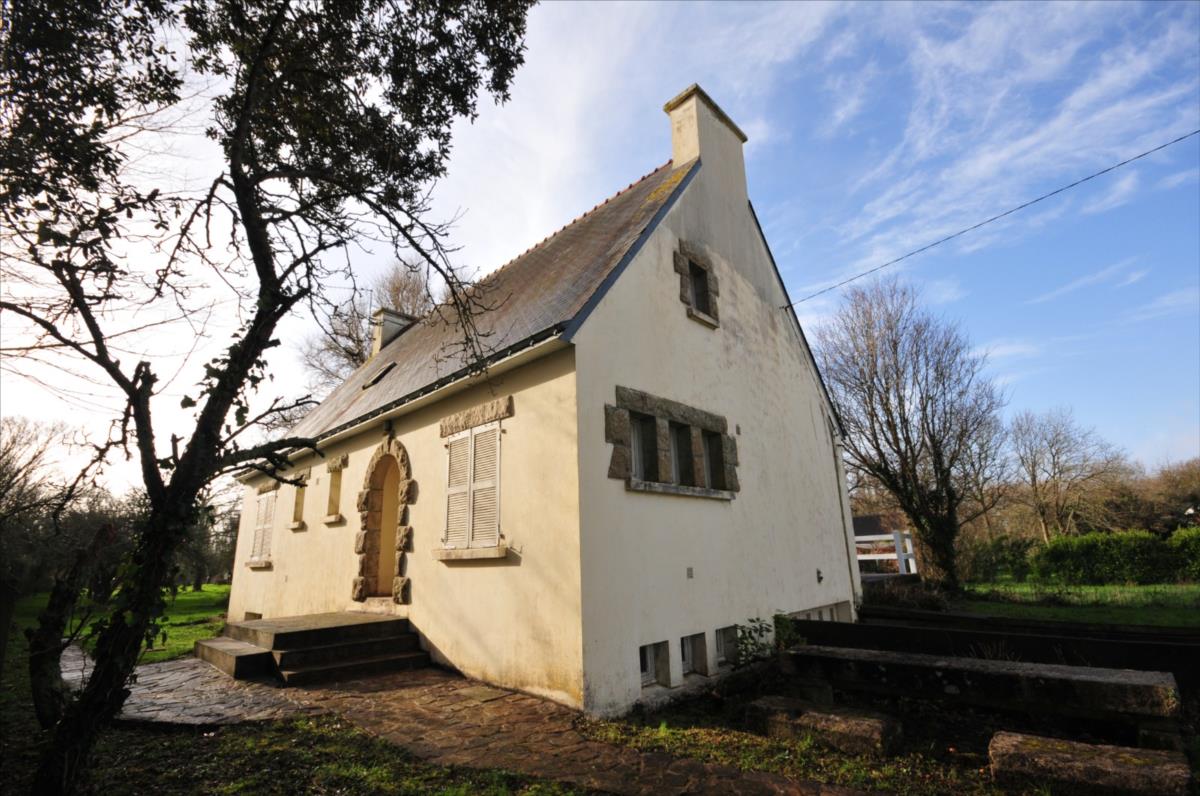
[964, 231]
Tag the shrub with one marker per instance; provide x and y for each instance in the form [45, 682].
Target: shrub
[992, 559]
[1098, 558]
[1185, 549]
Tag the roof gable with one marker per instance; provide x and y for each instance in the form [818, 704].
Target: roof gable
[537, 294]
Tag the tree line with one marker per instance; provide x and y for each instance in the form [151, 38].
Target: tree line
[926, 440]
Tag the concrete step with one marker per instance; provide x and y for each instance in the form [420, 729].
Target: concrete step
[1025, 763]
[238, 659]
[348, 670]
[291, 632]
[342, 651]
[856, 732]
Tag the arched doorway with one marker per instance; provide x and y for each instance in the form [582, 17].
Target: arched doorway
[384, 532]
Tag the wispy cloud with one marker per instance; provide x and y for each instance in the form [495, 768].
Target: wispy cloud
[1009, 349]
[1177, 301]
[944, 291]
[1120, 193]
[1118, 273]
[1179, 178]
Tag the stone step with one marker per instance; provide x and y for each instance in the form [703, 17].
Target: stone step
[347, 670]
[315, 630]
[1089, 692]
[856, 732]
[303, 657]
[1023, 763]
[238, 659]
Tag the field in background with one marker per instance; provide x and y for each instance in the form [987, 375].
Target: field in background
[1160, 604]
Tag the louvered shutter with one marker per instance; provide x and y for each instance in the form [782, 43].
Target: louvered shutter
[485, 486]
[458, 490]
[262, 530]
[256, 544]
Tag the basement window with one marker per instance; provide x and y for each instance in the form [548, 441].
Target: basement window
[687, 654]
[726, 645]
[652, 661]
[378, 377]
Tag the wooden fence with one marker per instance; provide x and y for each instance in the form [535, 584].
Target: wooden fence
[902, 550]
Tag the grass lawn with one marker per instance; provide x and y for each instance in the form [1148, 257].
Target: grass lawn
[191, 615]
[317, 756]
[1163, 605]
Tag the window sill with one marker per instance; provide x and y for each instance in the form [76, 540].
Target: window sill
[702, 317]
[634, 485]
[259, 563]
[334, 519]
[469, 553]
[300, 525]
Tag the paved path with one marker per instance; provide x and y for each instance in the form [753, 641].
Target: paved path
[189, 691]
[440, 717]
[447, 719]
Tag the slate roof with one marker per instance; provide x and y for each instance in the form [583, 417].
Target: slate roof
[534, 296]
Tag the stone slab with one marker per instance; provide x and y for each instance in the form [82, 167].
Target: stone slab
[1023, 762]
[852, 731]
[238, 659]
[1069, 690]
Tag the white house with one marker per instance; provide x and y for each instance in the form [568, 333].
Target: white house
[651, 459]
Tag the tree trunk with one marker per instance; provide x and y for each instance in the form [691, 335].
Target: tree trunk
[934, 546]
[48, 691]
[137, 604]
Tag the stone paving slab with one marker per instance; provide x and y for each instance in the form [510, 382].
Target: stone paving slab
[447, 719]
[443, 718]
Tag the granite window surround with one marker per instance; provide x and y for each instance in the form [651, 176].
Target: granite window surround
[688, 260]
[618, 432]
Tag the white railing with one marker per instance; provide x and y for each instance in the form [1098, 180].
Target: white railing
[902, 550]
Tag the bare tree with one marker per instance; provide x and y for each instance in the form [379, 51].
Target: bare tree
[917, 408]
[332, 121]
[1060, 464]
[345, 344]
[30, 489]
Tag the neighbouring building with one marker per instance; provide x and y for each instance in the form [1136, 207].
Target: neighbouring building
[651, 459]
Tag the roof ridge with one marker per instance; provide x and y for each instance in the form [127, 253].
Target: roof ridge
[580, 217]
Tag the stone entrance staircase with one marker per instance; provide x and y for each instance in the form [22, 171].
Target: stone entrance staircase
[308, 649]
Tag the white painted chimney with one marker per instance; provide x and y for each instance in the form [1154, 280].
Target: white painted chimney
[386, 326]
[699, 128]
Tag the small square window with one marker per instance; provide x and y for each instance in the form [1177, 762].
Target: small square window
[686, 655]
[701, 298]
[714, 460]
[681, 455]
[727, 644]
[644, 444]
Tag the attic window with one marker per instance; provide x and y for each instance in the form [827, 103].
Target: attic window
[698, 288]
[385, 370]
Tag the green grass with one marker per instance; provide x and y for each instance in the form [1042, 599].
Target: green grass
[190, 616]
[317, 756]
[714, 734]
[1170, 605]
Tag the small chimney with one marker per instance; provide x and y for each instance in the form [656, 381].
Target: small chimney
[386, 326]
[699, 128]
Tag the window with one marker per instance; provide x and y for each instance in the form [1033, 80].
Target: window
[686, 655]
[333, 507]
[652, 661]
[681, 455]
[714, 460]
[644, 430]
[727, 644]
[298, 503]
[473, 488]
[698, 279]
[260, 549]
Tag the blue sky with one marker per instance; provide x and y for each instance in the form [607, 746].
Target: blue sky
[877, 128]
[874, 129]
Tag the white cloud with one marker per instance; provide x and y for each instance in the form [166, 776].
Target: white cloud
[1177, 301]
[943, 291]
[1179, 178]
[1114, 273]
[1009, 349]
[1120, 193]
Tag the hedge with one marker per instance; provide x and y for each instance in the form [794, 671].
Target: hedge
[1098, 558]
[1185, 548]
[991, 559]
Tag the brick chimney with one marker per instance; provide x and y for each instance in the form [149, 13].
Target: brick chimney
[699, 128]
[386, 326]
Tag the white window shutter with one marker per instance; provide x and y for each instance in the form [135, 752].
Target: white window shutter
[485, 486]
[261, 549]
[458, 490]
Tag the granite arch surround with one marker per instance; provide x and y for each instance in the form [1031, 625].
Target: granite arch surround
[370, 507]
